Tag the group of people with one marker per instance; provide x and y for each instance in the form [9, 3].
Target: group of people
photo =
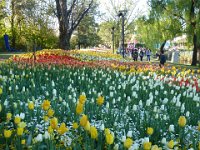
[141, 52]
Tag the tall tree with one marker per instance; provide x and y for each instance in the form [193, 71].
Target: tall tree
[70, 14]
[186, 13]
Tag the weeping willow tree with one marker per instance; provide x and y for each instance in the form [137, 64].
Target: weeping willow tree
[186, 13]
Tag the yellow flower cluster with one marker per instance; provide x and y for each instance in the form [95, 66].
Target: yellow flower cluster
[80, 104]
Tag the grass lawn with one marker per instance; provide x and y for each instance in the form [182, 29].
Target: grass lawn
[6, 55]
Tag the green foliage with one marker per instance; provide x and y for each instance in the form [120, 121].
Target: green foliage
[86, 33]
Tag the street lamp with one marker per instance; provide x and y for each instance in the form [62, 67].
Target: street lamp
[113, 35]
[122, 13]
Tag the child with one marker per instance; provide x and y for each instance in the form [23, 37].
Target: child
[162, 59]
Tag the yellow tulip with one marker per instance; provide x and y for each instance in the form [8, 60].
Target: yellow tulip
[109, 139]
[128, 142]
[83, 120]
[7, 133]
[170, 144]
[150, 131]
[20, 131]
[182, 121]
[75, 125]
[93, 132]
[100, 100]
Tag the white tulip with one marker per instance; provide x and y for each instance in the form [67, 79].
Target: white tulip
[187, 114]
[163, 141]
[102, 127]
[116, 147]
[46, 135]
[123, 138]
[39, 138]
[129, 134]
[171, 128]
[22, 115]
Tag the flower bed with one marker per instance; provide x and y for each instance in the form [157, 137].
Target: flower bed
[107, 105]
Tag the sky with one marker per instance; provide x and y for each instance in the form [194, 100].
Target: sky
[137, 5]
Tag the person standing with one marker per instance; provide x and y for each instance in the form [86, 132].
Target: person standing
[141, 54]
[162, 59]
[148, 53]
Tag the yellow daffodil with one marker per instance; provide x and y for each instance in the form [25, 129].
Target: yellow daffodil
[100, 100]
[182, 121]
[46, 104]
[50, 112]
[54, 123]
[128, 142]
[7, 133]
[150, 130]
[62, 129]
[93, 132]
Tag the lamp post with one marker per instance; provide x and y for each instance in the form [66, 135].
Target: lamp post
[113, 36]
[122, 13]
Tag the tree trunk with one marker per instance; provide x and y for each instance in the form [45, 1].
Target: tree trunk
[68, 21]
[64, 38]
[13, 24]
[194, 56]
[163, 45]
[193, 25]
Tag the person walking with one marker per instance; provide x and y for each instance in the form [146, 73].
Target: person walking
[162, 59]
